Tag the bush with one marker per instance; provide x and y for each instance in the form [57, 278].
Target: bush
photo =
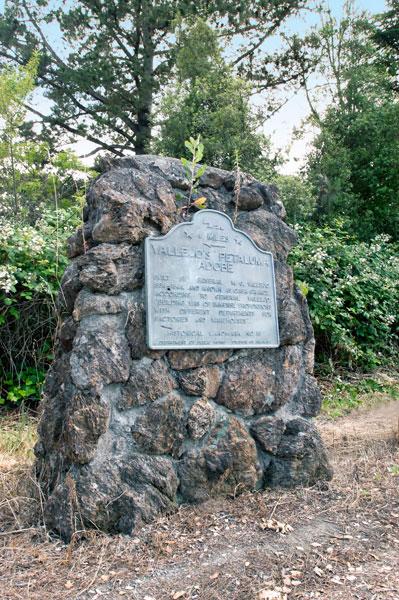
[32, 261]
[352, 289]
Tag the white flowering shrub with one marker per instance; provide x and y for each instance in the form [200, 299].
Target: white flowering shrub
[352, 290]
[32, 261]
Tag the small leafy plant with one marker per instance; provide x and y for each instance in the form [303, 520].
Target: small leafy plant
[28, 385]
[32, 260]
[193, 174]
[237, 184]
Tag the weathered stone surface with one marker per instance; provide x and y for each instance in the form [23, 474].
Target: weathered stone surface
[284, 282]
[149, 470]
[79, 242]
[136, 329]
[84, 425]
[249, 198]
[213, 178]
[160, 429]
[268, 232]
[111, 269]
[200, 418]
[191, 359]
[245, 180]
[259, 382]
[301, 458]
[70, 287]
[271, 195]
[88, 304]
[291, 325]
[67, 334]
[128, 209]
[149, 380]
[308, 398]
[75, 244]
[128, 432]
[268, 432]
[204, 381]
[227, 464]
[169, 168]
[100, 355]
[117, 497]
[57, 391]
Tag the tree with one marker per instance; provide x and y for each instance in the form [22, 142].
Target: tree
[386, 36]
[207, 100]
[296, 195]
[355, 168]
[16, 85]
[354, 164]
[116, 56]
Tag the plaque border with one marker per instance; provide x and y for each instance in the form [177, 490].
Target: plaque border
[217, 346]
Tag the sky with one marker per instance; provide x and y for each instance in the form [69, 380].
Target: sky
[280, 127]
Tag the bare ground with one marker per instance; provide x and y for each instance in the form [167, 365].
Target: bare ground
[339, 541]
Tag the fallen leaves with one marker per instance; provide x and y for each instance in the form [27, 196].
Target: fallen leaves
[275, 525]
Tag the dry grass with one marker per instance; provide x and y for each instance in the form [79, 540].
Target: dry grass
[339, 541]
[18, 435]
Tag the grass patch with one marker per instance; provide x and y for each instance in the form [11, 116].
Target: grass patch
[17, 435]
[343, 394]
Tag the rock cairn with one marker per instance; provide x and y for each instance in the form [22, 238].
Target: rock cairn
[128, 433]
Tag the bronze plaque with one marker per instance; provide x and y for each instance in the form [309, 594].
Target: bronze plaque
[208, 285]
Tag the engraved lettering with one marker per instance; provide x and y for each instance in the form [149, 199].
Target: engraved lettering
[192, 301]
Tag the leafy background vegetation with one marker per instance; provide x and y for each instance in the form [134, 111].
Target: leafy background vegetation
[147, 77]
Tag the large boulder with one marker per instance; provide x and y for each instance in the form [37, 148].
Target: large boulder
[128, 432]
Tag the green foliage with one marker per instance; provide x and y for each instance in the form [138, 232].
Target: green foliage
[353, 169]
[28, 385]
[353, 295]
[16, 85]
[29, 174]
[346, 395]
[32, 261]
[209, 101]
[386, 36]
[193, 174]
[296, 195]
[37, 175]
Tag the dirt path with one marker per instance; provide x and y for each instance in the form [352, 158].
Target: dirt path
[339, 541]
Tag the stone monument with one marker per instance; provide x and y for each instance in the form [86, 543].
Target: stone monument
[182, 372]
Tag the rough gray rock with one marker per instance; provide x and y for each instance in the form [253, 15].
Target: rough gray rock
[112, 269]
[149, 380]
[268, 432]
[100, 354]
[301, 458]
[160, 429]
[200, 382]
[228, 462]
[200, 418]
[127, 432]
[257, 382]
